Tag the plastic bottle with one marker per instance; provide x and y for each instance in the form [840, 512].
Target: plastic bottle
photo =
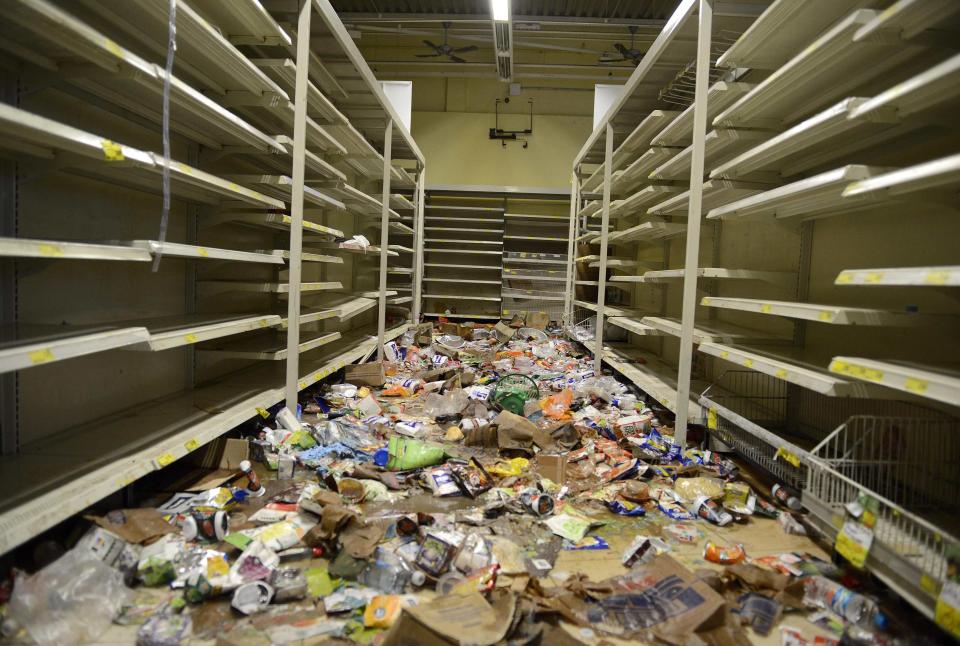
[388, 573]
[822, 592]
[254, 486]
[786, 497]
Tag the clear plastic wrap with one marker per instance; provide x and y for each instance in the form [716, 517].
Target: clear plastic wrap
[71, 601]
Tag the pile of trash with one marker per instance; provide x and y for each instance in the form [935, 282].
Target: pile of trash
[483, 484]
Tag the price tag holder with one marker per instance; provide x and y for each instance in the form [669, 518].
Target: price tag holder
[947, 612]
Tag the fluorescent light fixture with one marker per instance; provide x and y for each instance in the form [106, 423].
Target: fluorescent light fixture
[501, 10]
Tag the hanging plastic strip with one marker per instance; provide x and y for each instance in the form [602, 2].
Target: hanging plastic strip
[171, 52]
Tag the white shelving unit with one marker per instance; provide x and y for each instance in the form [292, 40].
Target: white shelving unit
[843, 109]
[260, 162]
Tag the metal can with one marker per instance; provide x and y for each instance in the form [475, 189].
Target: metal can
[253, 597]
[207, 526]
[539, 503]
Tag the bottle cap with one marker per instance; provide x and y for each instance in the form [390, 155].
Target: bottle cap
[245, 465]
[418, 578]
[381, 457]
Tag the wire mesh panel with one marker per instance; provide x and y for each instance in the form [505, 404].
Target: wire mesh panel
[909, 465]
[740, 408]
[533, 282]
[912, 461]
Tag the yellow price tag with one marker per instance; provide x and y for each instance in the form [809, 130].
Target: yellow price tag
[914, 385]
[112, 151]
[825, 315]
[712, 419]
[947, 612]
[49, 250]
[705, 300]
[191, 444]
[190, 338]
[765, 308]
[748, 363]
[845, 278]
[873, 277]
[781, 373]
[41, 356]
[787, 456]
[853, 543]
[724, 354]
[264, 413]
[937, 278]
[165, 459]
[929, 584]
[302, 385]
[203, 252]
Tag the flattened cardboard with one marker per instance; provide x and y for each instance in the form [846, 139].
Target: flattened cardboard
[365, 374]
[218, 462]
[454, 619]
[553, 467]
[538, 320]
[140, 526]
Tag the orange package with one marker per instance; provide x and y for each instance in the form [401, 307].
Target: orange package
[723, 555]
[395, 390]
[557, 406]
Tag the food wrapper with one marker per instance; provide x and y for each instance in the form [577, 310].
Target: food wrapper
[692, 488]
[723, 555]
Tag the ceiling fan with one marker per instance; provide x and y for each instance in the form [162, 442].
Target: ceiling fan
[626, 54]
[447, 50]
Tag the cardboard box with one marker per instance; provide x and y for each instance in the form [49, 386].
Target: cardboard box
[538, 320]
[365, 374]
[553, 467]
[504, 332]
[217, 462]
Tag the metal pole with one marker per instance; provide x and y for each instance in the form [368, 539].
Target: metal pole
[605, 224]
[420, 194]
[296, 205]
[693, 221]
[384, 237]
[571, 250]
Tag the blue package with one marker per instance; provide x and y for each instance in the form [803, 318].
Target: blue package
[675, 511]
[626, 508]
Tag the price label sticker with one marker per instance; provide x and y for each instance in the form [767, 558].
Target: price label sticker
[787, 456]
[712, 420]
[825, 315]
[765, 308]
[191, 338]
[915, 385]
[781, 373]
[165, 459]
[853, 543]
[49, 250]
[264, 413]
[947, 613]
[112, 151]
[191, 444]
[41, 356]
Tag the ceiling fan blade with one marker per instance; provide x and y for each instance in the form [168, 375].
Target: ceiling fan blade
[457, 59]
[620, 48]
[431, 45]
[427, 55]
[471, 48]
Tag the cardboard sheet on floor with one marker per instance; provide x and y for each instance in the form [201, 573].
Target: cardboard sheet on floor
[218, 462]
[454, 619]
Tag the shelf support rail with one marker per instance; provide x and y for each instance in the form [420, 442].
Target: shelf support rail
[692, 258]
[604, 234]
[384, 236]
[296, 206]
[571, 249]
[420, 196]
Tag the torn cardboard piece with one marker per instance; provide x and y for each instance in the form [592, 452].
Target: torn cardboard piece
[517, 432]
[364, 374]
[454, 619]
[138, 525]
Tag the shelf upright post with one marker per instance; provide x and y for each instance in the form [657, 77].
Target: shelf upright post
[419, 196]
[384, 236]
[296, 204]
[571, 250]
[605, 223]
[704, 27]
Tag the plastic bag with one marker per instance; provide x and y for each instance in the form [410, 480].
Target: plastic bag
[556, 406]
[72, 600]
[445, 405]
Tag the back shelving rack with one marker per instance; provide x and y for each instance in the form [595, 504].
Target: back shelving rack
[275, 162]
[462, 250]
[801, 312]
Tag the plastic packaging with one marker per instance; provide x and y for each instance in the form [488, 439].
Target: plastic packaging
[723, 555]
[821, 592]
[711, 511]
[445, 405]
[404, 453]
[556, 406]
[387, 573]
[251, 598]
[70, 601]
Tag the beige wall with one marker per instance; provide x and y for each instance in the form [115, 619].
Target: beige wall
[459, 151]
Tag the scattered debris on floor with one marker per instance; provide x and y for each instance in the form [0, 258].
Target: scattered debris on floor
[482, 486]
